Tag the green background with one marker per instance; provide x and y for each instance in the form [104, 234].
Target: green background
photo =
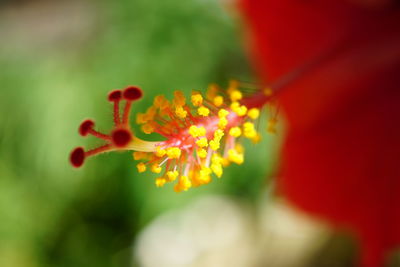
[58, 61]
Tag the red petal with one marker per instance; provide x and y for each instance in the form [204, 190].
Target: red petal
[340, 159]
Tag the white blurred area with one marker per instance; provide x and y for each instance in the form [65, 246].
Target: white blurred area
[217, 231]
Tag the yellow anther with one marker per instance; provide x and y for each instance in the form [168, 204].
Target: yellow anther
[222, 113]
[172, 175]
[137, 155]
[202, 131]
[160, 152]
[141, 118]
[253, 113]
[202, 142]
[160, 182]
[202, 153]
[235, 156]
[248, 126]
[214, 145]
[155, 168]
[141, 167]
[256, 139]
[235, 95]
[218, 101]
[205, 179]
[249, 130]
[185, 181]
[147, 128]
[218, 134]
[180, 112]
[217, 169]
[271, 126]
[234, 105]
[173, 152]
[183, 185]
[203, 111]
[235, 132]
[233, 85]
[160, 102]
[239, 148]
[177, 188]
[268, 91]
[197, 99]
[204, 171]
[202, 177]
[150, 113]
[212, 91]
[179, 99]
[225, 162]
[193, 131]
[197, 131]
[222, 123]
[216, 159]
[240, 110]
[194, 177]
[250, 134]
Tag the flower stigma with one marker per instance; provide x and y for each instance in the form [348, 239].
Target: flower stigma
[202, 134]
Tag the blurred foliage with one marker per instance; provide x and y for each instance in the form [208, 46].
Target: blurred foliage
[58, 60]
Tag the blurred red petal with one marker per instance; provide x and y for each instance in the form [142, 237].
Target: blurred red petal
[340, 156]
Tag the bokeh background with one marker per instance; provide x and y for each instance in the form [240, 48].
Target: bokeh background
[58, 60]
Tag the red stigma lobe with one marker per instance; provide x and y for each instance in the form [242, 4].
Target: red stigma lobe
[86, 127]
[115, 95]
[77, 157]
[121, 137]
[132, 93]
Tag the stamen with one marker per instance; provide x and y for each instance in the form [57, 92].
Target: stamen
[203, 111]
[160, 152]
[172, 175]
[162, 162]
[155, 168]
[197, 99]
[218, 101]
[160, 181]
[202, 134]
[235, 131]
[141, 167]
[253, 113]
[202, 153]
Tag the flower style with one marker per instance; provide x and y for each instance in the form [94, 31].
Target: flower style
[202, 135]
